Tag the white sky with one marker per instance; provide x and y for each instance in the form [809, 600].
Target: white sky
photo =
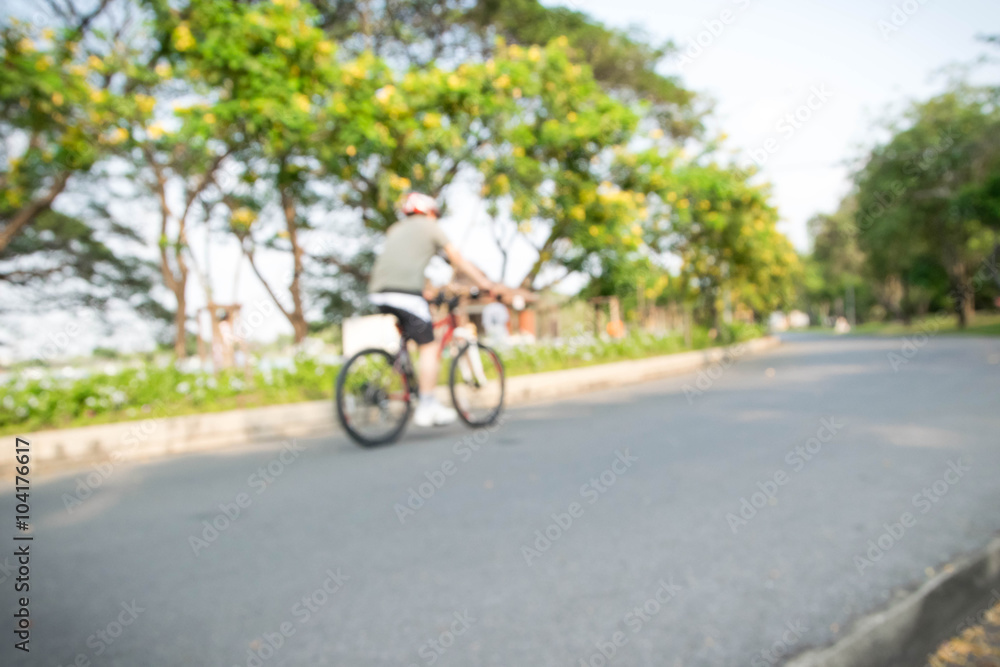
[762, 65]
[759, 67]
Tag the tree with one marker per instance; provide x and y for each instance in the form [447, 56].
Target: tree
[927, 191]
[63, 263]
[56, 97]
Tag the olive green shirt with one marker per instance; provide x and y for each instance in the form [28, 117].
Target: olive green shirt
[409, 246]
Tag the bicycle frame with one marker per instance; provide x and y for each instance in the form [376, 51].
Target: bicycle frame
[403, 361]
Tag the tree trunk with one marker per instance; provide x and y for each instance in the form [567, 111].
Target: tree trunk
[297, 316]
[907, 309]
[180, 320]
[963, 294]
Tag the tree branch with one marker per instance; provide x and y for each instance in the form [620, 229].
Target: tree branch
[27, 214]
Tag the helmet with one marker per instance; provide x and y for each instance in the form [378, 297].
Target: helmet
[417, 202]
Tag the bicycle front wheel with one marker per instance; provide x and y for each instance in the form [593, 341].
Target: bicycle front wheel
[373, 398]
[477, 384]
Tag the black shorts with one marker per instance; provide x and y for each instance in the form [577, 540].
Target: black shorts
[414, 328]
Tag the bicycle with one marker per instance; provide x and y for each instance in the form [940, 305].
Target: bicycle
[376, 386]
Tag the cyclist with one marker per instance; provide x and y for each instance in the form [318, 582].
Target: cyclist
[396, 286]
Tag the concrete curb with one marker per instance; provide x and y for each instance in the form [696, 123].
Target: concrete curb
[156, 437]
[907, 632]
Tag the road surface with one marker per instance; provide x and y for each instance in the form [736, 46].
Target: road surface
[731, 518]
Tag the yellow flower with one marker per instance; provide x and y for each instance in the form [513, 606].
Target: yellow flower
[183, 39]
[48, 34]
[42, 64]
[671, 197]
[578, 213]
[351, 151]
[324, 47]
[516, 93]
[284, 42]
[502, 81]
[562, 41]
[432, 120]
[301, 102]
[162, 70]
[57, 99]
[519, 151]
[117, 136]
[454, 81]
[657, 133]
[243, 217]
[594, 231]
[155, 131]
[25, 45]
[684, 203]
[571, 116]
[704, 204]
[636, 230]
[384, 93]
[534, 54]
[144, 103]
[210, 118]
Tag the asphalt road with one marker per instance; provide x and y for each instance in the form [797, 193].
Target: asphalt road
[640, 491]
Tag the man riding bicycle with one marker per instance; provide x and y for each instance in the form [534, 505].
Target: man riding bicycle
[396, 286]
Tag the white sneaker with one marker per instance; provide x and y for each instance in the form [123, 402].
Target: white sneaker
[434, 414]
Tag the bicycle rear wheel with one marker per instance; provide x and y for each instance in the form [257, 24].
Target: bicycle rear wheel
[373, 398]
[476, 381]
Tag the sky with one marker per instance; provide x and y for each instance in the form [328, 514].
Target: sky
[842, 66]
[769, 57]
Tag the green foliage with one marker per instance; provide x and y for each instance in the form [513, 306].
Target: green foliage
[154, 391]
[928, 195]
[163, 391]
[61, 262]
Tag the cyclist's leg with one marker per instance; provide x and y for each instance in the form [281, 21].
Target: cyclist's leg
[419, 329]
[429, 364]
[429, 411]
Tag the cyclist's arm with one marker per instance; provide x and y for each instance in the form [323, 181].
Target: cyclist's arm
[464, 266]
